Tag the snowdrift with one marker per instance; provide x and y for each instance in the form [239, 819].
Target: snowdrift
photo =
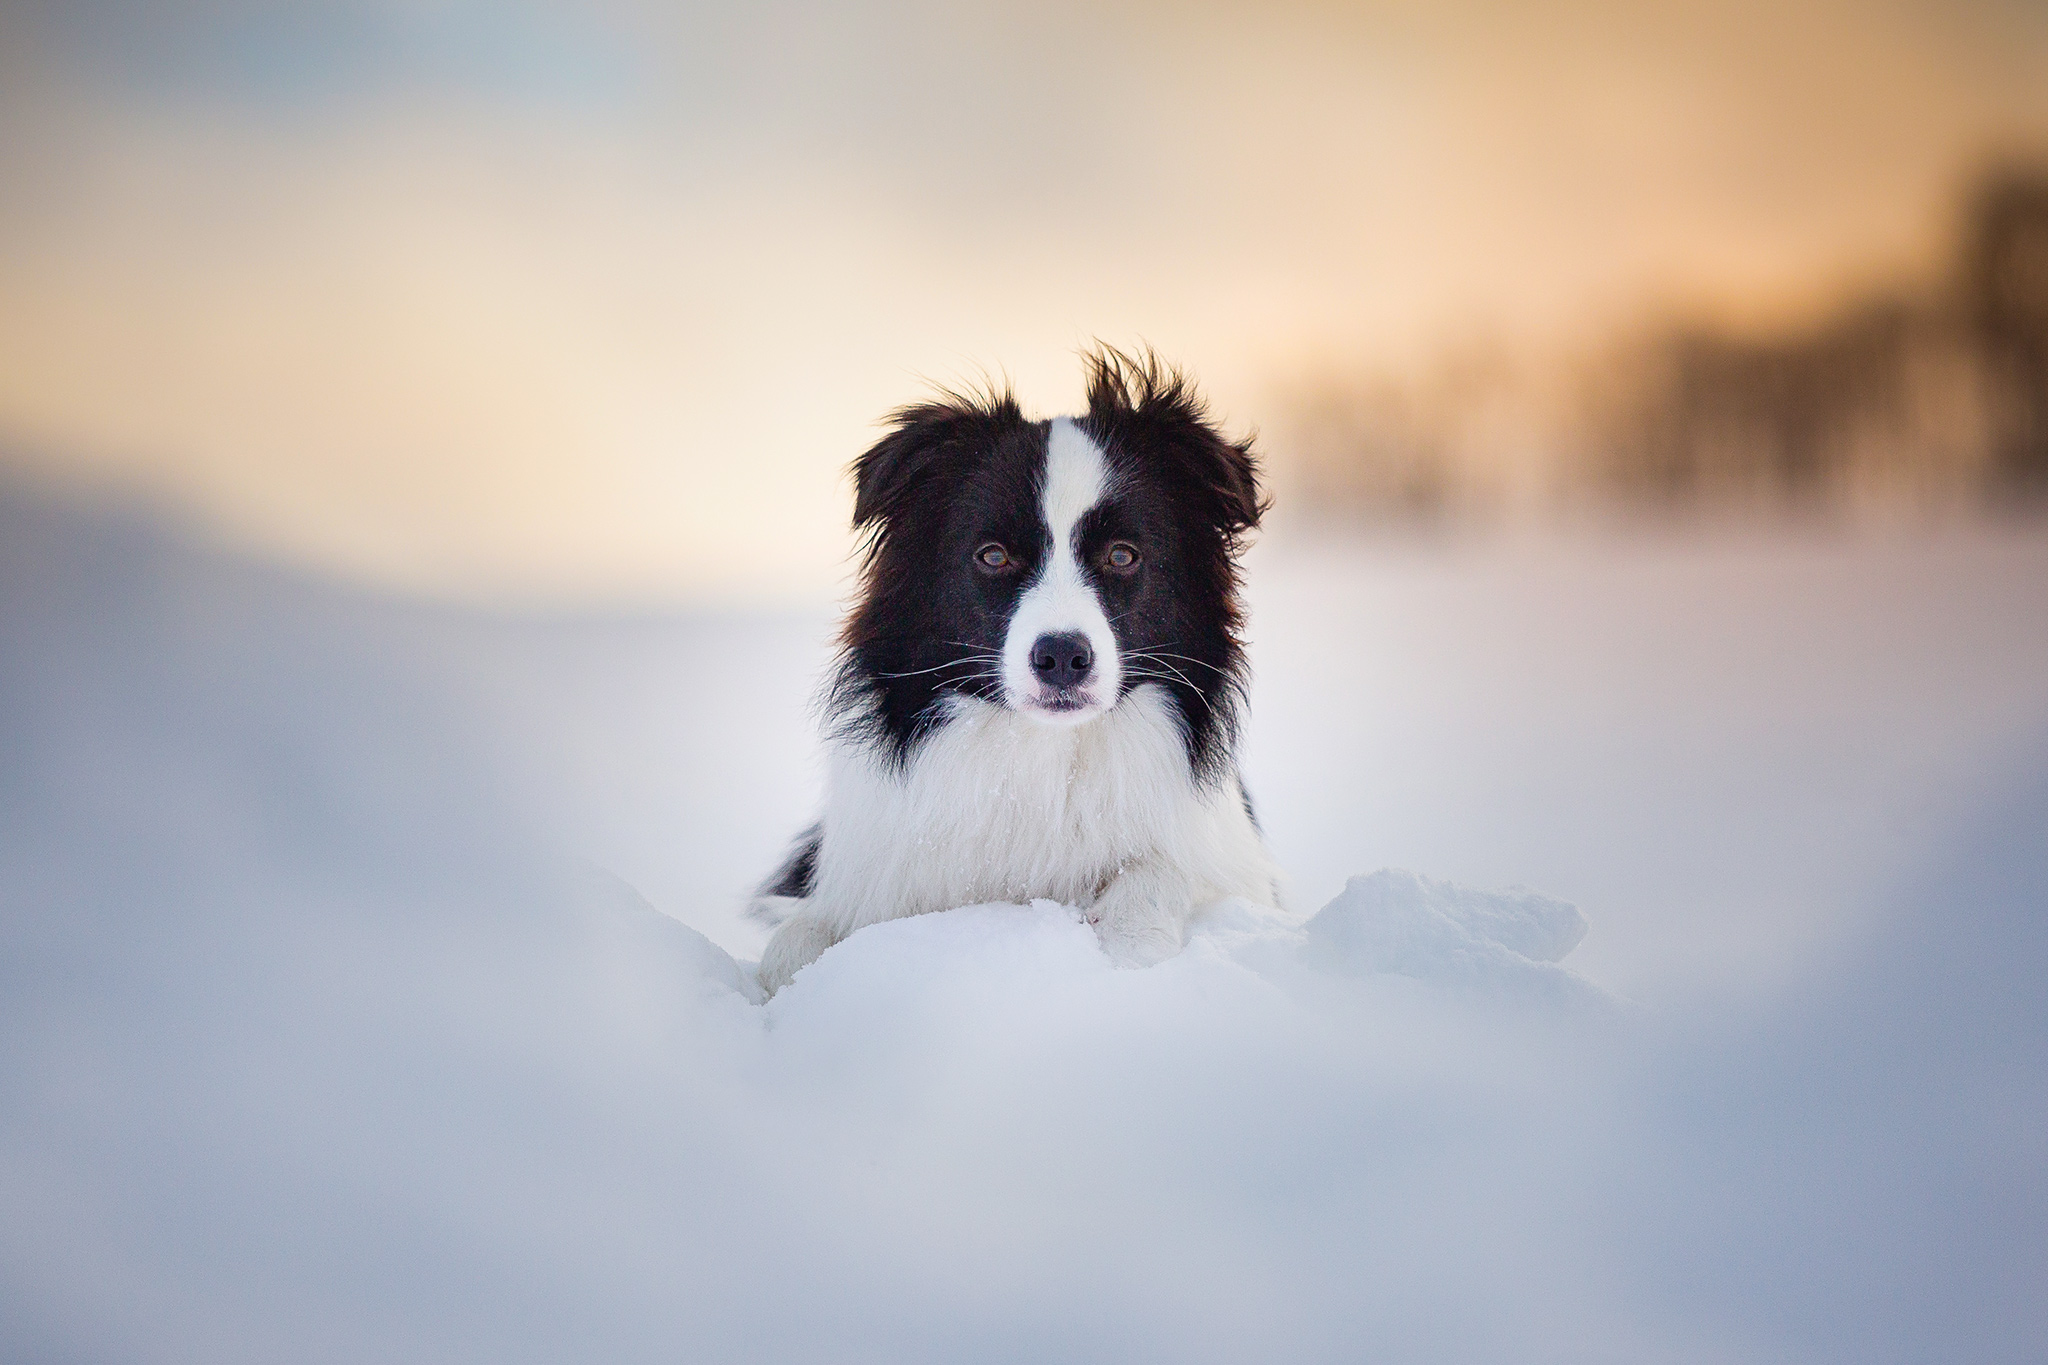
[320, 1040]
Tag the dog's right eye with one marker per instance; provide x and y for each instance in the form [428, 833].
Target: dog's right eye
[992, 557]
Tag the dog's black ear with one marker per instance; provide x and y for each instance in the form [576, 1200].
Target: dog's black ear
[1160, 408]
[921, 438]
[1232, 472]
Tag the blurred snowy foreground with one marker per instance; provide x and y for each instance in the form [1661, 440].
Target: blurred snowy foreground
[323, 1038]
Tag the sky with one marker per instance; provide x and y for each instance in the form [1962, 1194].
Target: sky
[524, 303]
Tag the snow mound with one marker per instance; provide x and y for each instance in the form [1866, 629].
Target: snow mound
[1503, 944]
[643, 942]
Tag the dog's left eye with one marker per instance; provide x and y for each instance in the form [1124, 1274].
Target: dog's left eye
[1122, 556]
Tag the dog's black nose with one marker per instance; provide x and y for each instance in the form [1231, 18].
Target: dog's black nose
[1062, 660]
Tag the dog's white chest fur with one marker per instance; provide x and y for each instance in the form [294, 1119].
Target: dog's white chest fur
[999, 807]
[996, 806]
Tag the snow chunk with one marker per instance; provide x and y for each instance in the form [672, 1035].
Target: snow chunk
[1398, 922]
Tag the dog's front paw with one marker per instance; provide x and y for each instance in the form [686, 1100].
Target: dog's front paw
[1138, 947]
[1139, 921]
[797, 943]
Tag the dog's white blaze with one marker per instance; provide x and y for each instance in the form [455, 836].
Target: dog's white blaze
[1061, 599]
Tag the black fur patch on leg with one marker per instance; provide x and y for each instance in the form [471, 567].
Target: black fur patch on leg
[799, 871]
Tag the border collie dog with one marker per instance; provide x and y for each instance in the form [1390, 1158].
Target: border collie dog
[1041, 678]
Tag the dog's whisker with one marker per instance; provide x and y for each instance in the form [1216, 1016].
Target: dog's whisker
[1171, 669]
[935, 668]
[1164, 678]
[1163, 653]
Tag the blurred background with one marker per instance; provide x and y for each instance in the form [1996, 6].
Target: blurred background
[532, 303]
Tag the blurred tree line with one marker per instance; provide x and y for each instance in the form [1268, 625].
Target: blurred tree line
[1894, 401]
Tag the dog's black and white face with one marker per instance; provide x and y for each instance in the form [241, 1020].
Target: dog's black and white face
[1052, 567]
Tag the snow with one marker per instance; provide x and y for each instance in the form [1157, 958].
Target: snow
[1504, 941]
[370, 985]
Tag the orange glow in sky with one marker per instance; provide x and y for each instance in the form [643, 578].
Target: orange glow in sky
[539, 304]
